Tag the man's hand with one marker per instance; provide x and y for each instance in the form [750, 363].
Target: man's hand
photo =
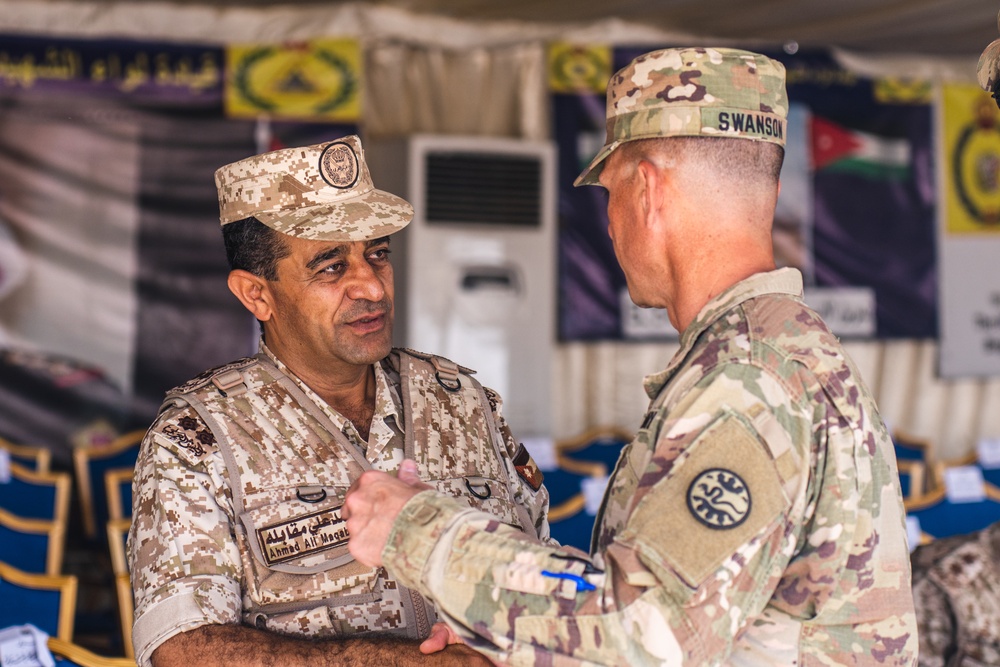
[371, 506]
[441, 637]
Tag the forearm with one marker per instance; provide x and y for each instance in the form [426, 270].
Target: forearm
[242, 646]
[487, 577]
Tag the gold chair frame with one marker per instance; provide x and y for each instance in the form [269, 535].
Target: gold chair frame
[117, 529]
[66, 584]
[40, 455]
[55, 530]
[84, 485]
[59, 480]
[83, 657]
[581, 441]
[113, 479]
[915, 469]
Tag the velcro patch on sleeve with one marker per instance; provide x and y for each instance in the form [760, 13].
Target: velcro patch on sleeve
[526, 468]
[714, 501]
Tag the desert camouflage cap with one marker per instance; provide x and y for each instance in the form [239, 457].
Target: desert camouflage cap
[988, 70]
[322, 192]
[694, 92]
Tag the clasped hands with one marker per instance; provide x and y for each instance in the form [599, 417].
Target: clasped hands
[370, 508]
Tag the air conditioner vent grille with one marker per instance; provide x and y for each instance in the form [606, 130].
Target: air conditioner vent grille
[483, 188]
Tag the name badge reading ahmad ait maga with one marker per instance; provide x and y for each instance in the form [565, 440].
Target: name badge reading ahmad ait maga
[303, 536]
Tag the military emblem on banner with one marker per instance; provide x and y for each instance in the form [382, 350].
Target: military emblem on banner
[972, 154]
[578, 69]
[317, 80]
[896, 90]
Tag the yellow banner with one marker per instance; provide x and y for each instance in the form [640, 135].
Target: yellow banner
[318, 80]
[579, 69]
[972, 160]
[895, 90]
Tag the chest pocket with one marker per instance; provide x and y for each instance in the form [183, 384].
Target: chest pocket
[297, 553]
[483, 493]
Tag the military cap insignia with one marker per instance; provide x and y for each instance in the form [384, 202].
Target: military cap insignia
[338, 164]
[719, 499]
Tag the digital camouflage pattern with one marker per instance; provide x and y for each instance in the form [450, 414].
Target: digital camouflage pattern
[988, 69]
[956, 590]
[239, 486]
[693, 92]
[755, 519]
[322, 192]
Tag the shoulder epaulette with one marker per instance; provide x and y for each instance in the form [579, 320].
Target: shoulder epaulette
[224, 377]
[443, 361]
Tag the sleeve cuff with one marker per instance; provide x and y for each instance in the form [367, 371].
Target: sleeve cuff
[416, 532]
[208, 601]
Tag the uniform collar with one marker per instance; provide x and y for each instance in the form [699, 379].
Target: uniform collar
[387, 406]
[780, 281]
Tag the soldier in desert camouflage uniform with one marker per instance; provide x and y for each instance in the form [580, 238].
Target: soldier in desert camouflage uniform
[956, 589]
[988, 69]
[237, 540]
[756, 517]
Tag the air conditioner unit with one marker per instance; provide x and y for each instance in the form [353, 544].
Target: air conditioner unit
[475, 270]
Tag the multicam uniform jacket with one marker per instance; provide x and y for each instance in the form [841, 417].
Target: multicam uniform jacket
[755, 519]
[956, 588]
[240, 481]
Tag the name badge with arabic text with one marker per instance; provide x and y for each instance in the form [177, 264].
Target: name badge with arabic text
[306, 535]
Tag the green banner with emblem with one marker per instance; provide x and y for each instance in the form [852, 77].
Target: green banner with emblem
[318, 80]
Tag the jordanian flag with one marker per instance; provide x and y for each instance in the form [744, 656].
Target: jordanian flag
[837, 148]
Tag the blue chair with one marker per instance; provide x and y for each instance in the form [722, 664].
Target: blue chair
[563, 486]
[568, 522]
[909, 448]
[118, 492]
[31, 545]
[31, 457]
[117, 536]
[991, 475]
[911, 478]
[599, 445]
[592, 454]
[90, 465]
[940, 517]
[36, 495]
[68, 654]
[574, 528]
[46, 601]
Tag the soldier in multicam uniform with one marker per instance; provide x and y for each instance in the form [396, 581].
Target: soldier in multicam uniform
[237, 540]
[756, 518]
[956, 589]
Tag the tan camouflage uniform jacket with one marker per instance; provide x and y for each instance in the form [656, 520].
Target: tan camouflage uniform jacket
[755, 519]
[956, 590]
[274, 554]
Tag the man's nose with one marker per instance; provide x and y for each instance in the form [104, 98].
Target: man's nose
[364, 283]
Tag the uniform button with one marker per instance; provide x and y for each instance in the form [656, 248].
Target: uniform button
[261, 622]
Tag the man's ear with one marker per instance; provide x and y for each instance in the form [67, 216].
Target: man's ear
[252, 292]
[649, 185]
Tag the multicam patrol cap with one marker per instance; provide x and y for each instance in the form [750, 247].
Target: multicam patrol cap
[988, 70]
[693, 92]
[322, 192]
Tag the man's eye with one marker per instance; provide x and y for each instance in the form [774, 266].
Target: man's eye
[381, 253]
[337, 267]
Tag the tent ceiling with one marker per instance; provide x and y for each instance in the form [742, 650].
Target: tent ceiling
[943, 27]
